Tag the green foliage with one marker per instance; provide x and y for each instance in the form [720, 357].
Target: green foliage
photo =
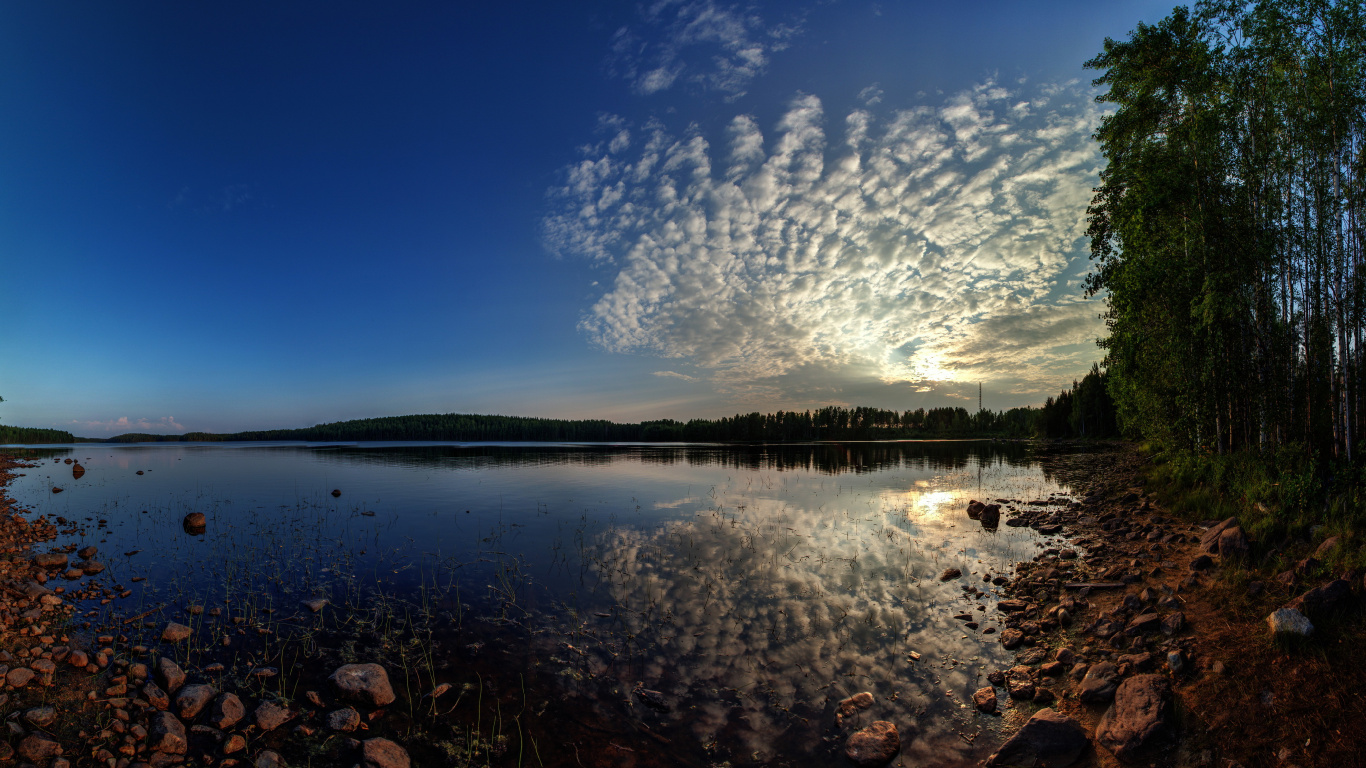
[1227, 230]
[29, 436]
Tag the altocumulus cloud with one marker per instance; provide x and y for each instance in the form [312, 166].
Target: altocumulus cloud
[913, 245]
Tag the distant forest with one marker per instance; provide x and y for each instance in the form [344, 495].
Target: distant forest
[26, 435]
[1085, 410]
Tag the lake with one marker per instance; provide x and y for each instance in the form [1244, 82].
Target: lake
[605, 605]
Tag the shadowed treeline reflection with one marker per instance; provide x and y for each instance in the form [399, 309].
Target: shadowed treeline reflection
[829, 458]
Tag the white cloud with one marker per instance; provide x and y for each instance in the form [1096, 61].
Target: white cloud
[674, 375]
[714, 46]
[921, 244]
[124, 424]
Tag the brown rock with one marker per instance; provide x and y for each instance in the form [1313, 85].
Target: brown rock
[1098, 687]
[192, 700]
[166, 734]
[155, 696]
[854, 704]
[1323, 599]
[19, 677]
[170, 674]
[875, 745]
[366, 683]
[985, 700]
[175, 633]
[1233, 543]
[949, 574]
[1209, 542]
[1139, 712]
[270, 715]
[39, 747]
[1048, 740]
[344, 720]
[227, 711]
[270, 759]
[1020, 682]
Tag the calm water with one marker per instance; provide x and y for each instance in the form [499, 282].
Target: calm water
[752, 587]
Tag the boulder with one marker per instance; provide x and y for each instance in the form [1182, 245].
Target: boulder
[1289, 622]
[1098, 687]
[365, 683]
[382, 753]
[1139, 713]
[227, 711]
[1209, 542]
[344, 720]
[1233, 543]
[39, 748]
[975, 509]
[192, 700]
[991, 516]
[166, 734]
[1049, 739]
[170, 675]
[175, 633]
[154, 695]
[1326, 548]
[875, 745]
[1323, 599]
[270, 715]
[1020, 682]
[985, 700]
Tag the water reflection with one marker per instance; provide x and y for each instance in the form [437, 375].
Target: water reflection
[752, 586]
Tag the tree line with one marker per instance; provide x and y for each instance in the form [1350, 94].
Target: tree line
[1227, 229]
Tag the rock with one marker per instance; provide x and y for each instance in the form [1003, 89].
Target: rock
[1020, 682]
[1323, 599]
[194, 520]
[875, 745]
[271, 759]
[90, 567]
[975, 509]
[1144, 624]
[78, 659]
[315, 604]
[270, 715]
[192, 700]
[175, 633]
[991, 516]
[1306, 567]
[854, 704]
[985, 700]
[1011, 606]
[1044, 696]
[997, 678]
[1098, 687]
[155, 696]
[1139, 712]
[166, 734]
[39, 748]
[336, 493]
[1201, 563]
[1288, 621]
[1326, 548]
[45, 669]
[1049, 738]
[19, 677]
[366, 683]
[950, 573]
[1176, 662]
[235, 743]
[344, 720]
[87, 552]
[41, 717]
[1209, 542]
[227, 711]
[170, 674]
[1173, 623]
[1011, 638]
[50, 560]
[1232, 543]
[1053, 669]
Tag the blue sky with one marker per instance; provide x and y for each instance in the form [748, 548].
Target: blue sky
[252, 215]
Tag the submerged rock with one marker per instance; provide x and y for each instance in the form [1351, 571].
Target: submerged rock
[873, 746]
[175, 633]
[366, 683]
[950, 573]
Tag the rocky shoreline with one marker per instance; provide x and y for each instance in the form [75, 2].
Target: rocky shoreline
[76, 697]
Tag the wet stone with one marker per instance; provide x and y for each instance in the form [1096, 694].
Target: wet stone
[366, 683]
[227, 711]
[1020, 682]
[175, 633]
[346, 720]
[192, 700]
[873, 746]
[270, 715]
[985, 700]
